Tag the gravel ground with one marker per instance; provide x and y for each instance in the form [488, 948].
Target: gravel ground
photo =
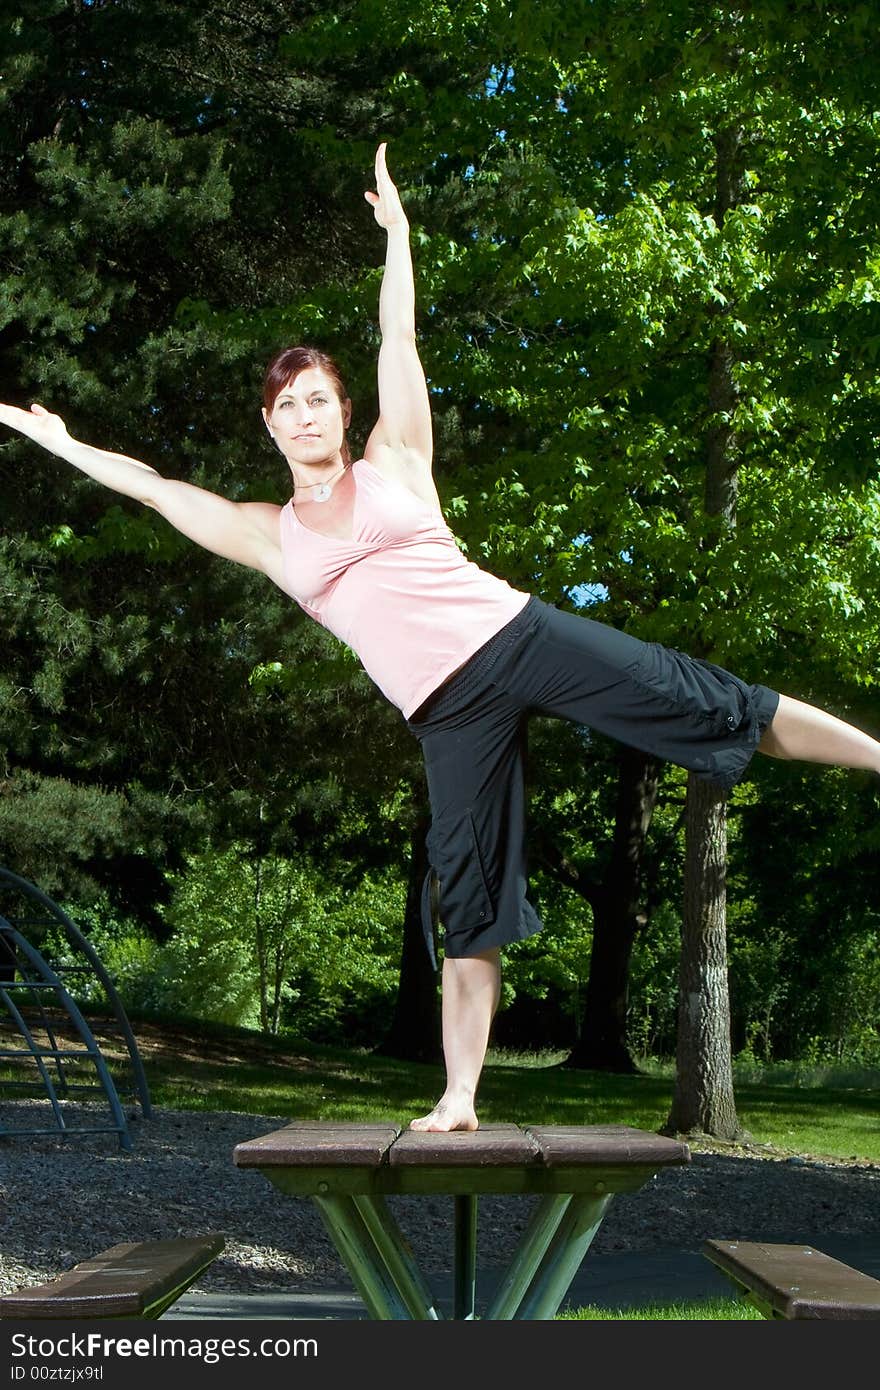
[61, 1201]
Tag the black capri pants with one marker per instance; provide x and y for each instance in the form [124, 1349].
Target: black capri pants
[473, 736]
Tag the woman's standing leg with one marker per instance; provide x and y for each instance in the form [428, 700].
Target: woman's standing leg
[471, 989]
[474, 745]
[803, 732]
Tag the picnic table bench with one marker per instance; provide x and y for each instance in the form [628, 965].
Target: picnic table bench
[139, 1279]
[795, 1281]
[348, 1170]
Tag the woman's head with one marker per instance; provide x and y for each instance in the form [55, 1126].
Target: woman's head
[303, 386]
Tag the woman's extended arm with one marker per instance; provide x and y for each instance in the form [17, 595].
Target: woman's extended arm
[404, 423]
[245, 532]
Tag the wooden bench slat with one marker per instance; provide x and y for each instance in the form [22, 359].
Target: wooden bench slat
[308, 1144]
[598, 1145]
[133, 1279]
[490, 1146]
[797, 1281]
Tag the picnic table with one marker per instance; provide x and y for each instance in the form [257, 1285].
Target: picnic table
[348, 1170]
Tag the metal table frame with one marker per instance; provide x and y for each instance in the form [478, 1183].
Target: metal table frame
[349, 1170]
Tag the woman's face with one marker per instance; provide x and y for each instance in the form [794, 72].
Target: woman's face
[308, 420]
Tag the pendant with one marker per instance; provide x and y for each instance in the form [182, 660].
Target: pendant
[323, 492]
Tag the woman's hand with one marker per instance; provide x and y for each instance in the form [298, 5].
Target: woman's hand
[246, 532]
[401, 441]
[38, 424]
[385, 202]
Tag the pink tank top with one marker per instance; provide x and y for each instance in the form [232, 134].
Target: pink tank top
[400, 593]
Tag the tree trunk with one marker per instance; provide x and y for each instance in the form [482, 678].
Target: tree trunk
[703, 1097]
[617, 917]
[414, 1032]
[260, 943]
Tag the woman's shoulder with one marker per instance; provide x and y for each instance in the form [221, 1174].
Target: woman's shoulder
[263, 513]
[266, 518]
[406, 467]
[394, 458]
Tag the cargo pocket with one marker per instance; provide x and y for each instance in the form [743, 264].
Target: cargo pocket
[729, 703]
[454, 852]
[695, 689]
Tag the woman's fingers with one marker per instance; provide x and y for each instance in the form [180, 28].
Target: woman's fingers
[13, 416]
[38, 423]
[385, 201]
[15, 412]
[382, 181]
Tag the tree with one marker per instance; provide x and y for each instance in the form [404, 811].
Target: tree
[235, 921]
[658, 386]
[703, 1099]
[144, 236]
[618, 915]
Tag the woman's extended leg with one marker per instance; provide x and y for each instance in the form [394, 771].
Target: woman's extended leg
[803, 732]
[471, 989]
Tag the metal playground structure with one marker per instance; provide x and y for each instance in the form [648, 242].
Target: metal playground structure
[47, 1046]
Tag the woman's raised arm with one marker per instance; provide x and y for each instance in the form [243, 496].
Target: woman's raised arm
[404, 423]
[246, 532]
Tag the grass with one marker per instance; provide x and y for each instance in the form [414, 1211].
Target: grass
[202, 1067]
[821, 1114]
[705, 1310]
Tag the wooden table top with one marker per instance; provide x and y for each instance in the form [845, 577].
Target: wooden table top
[314, 1156]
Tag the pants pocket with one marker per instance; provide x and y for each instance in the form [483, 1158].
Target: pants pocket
[695, 688]
[454, 853]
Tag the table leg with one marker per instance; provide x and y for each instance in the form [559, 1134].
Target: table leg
[394, 1250]
[368, 1271]
[529, 1253]
[465, 1281]
[563, 1257]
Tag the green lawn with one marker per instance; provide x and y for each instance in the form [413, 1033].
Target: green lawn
[707, 1310]
[208, 1068]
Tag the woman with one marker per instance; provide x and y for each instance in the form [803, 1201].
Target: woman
[363, 548]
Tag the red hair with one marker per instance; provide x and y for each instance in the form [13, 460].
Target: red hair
[287, 364]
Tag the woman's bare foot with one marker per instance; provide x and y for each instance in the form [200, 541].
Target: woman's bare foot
[449, 1113]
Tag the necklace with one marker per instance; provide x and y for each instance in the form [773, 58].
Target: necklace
[324, 488]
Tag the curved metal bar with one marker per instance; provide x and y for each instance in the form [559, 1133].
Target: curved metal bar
[45, 971]
[83, 944]
[42, 1016]
[33, 1048]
